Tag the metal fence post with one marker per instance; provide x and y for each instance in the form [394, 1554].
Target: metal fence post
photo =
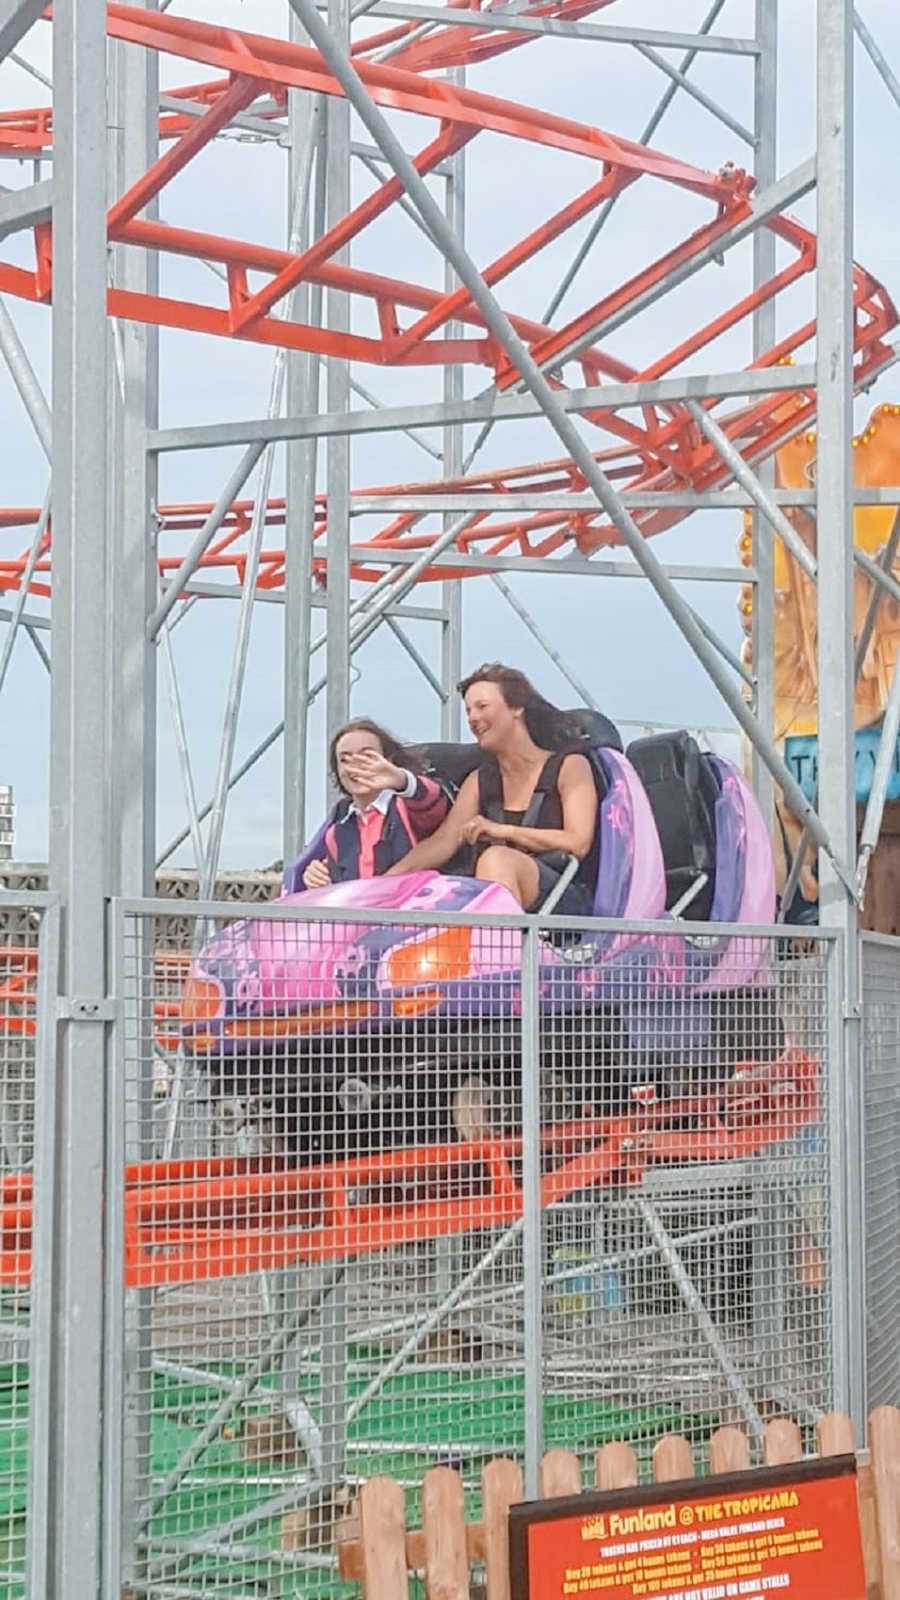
[531, 1201]
[834, 513]
[81, 748]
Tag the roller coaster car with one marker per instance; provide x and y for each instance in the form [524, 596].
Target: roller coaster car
[365, 1036]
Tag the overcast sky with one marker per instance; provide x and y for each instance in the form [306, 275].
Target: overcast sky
[613, 632]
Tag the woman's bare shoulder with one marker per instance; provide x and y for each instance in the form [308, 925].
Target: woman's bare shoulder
[575, 768]
[468, 793]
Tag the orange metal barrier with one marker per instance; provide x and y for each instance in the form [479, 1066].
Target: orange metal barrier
[191, 1220]
[18, 992]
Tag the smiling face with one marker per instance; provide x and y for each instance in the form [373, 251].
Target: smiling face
[350, 747]
[492, 721]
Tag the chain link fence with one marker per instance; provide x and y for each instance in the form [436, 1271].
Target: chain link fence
[411, 1191]
[881, 1165]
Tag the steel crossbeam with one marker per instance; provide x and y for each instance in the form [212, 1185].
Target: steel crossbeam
[18, 16]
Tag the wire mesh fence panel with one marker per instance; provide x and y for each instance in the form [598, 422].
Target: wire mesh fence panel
[881, 1166]
[25, 960]
[328, 1271]
[687, 1243]
[322, 1236]
[18, 1035]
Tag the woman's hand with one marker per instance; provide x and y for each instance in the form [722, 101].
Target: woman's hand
[482, 828]
[317, 875]
[374, 771]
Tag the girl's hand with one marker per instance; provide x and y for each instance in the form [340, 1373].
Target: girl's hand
[375, 771]
[482, 828]
[317, 875]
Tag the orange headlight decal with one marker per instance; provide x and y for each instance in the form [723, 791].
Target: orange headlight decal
[416, 1005]
[203, 999]
[444, 956]
[342, 1014]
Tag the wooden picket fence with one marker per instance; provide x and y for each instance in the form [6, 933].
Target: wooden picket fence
[375, 1547]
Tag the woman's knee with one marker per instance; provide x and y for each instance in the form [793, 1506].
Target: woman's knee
[517, 872]
[498, 863]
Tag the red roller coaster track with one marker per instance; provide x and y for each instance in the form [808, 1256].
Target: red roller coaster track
[654, 447]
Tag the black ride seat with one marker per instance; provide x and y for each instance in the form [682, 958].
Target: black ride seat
[682, 788]
[452, 763]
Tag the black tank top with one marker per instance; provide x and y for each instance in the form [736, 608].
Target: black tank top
[544, 810]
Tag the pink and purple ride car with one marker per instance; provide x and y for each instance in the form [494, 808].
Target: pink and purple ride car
[362, 1032]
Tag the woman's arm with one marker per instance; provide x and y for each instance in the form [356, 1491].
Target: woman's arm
[427, 806]
[578, 796]
[316, 850]
[445, 841]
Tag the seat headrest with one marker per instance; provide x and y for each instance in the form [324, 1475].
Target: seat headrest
[452, 761]
[596, 728]
[673, 754]
[456, 761]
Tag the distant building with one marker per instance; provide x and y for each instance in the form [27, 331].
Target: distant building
[7, 821]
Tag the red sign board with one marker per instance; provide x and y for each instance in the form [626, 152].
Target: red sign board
[790, 1532]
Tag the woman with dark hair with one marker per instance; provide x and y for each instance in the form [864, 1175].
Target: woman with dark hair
[530, 803]
[387, 805]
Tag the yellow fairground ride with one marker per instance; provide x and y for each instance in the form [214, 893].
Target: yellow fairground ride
[877, 463]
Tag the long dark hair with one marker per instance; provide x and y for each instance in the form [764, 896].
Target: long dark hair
[391, 747]
[549, 727]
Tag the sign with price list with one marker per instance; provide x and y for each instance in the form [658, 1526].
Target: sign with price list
[790, 1532]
